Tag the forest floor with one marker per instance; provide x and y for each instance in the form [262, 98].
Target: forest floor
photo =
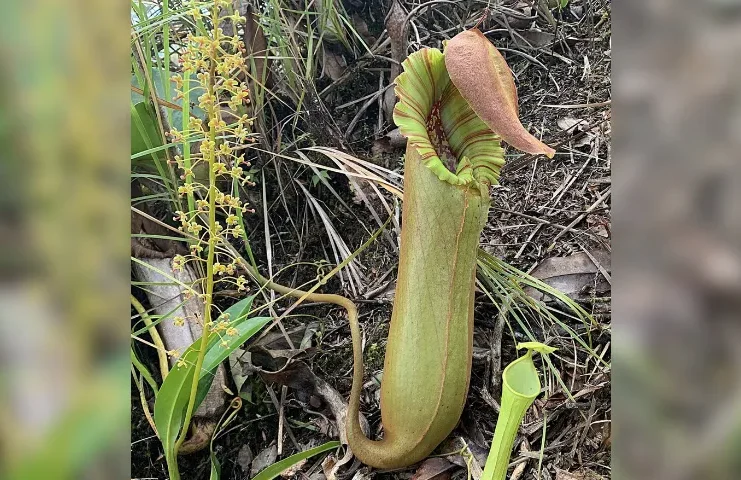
[542, 209]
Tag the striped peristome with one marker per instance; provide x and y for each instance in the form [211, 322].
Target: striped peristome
[424, 90]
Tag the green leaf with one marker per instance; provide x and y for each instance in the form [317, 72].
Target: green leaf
[144, 132]
[159, 87]
[215, 467]
[279, 467]
[537, 347]
[320, 176]
[171, 402]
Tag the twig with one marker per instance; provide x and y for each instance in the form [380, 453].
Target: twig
[578, 219]
[362, 110]
[573, 177]
[581, 105]
[496, 347]
[599, 267]
[530, 217]
[366, 97]
[274, 398]
[533, 60]
[522, 162]
[281, 418]
[529, 240]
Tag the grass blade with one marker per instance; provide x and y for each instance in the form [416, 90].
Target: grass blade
[279, 467]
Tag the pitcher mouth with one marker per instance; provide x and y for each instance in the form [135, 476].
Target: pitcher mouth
[438, 122]
[521, 378]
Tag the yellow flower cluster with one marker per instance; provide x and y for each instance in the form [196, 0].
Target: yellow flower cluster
[214, 169]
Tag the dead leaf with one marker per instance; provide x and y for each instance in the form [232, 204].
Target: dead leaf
[363, 474]
[264, 459]
[277, 340]
[524, 9]
[239, 375]
[362, 28]
[244, 457]
[535, 38]
[576, 126]
[299, 376]
[479, 455]
[433, 468]
[256, 51]
[311, 330]
[520, 468]
[389, 143]
[572, 275]
[581, 474]
[333, 64]
[328, 466]
[397, 28]
[601, 230]
[570, 124]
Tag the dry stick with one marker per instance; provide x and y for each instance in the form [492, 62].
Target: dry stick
[578, 219]
[416, 9]
[536, 219]
[366, 97]
[522, 162]
[581, 105]
[362, 110]
[278, 409]
[529, 239]
[496, 347]
[599, 267]
[573, 177]
[269, 254]
[282, 418]
[379, 120]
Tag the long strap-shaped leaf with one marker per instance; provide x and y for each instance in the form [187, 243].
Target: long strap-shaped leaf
[169, 408]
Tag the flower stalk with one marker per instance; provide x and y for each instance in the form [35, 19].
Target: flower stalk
[212, 215]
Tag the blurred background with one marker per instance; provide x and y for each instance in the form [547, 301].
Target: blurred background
[677, 230]
[64, 223]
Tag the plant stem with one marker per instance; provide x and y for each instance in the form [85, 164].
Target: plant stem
[186, 145]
